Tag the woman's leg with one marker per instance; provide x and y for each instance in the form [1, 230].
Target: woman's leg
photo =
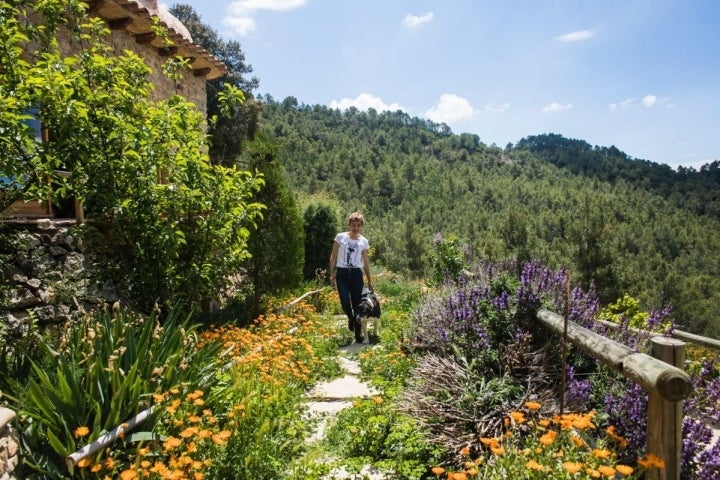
[342, 281]
[356, 285]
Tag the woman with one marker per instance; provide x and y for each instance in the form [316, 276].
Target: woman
[348, 261]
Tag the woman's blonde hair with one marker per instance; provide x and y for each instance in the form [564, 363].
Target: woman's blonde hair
[356, 216]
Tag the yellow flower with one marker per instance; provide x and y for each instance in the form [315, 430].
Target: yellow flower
[624, 469]
[81, 431]
[572, 467]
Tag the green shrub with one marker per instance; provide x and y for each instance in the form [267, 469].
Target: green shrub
[106, 367]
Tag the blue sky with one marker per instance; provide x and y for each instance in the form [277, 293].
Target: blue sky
[641, 75]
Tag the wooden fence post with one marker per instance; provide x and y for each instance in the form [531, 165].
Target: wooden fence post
[664, 428]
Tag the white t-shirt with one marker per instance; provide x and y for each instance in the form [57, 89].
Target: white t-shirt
[350, 250]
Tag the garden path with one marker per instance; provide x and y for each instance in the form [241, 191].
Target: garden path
[327, 399]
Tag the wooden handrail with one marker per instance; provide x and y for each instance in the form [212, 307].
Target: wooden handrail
[655, 376]
[706, 342]
[104, 440]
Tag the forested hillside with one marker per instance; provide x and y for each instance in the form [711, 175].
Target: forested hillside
[415, 179]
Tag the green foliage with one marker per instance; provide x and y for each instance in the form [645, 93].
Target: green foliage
[320, 229]
[626, 310]
[268, 434]
[106, 367]
[371, 431]
[276, 246]
[171, 225]
[447, 261]
[228, 133]
[412, 178]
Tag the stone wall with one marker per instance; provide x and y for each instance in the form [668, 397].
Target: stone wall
[8, 446]
[48, 278]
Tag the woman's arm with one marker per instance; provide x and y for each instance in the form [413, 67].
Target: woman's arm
[333, 262]
[366, 267]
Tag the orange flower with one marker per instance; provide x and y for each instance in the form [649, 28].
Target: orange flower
[533, 465]
[548, 438]
[459, 476]
[437, 471]
[606, 471]
[81, 431]
[465, 451]
[83, 463]
[601, 453]
[96, 468]
[377, 399]
[489, 442]
[497, 450]
[624, 469]
[572, 467]
[172, 442]
[128, 474]
[611, 433]
[578, 441]
[592, 472]
[651, 461]
[518, 417]
[532, 405]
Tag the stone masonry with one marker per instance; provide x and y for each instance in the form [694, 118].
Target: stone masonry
[8, 445]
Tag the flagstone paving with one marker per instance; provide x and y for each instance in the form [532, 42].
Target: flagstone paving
[329, 398]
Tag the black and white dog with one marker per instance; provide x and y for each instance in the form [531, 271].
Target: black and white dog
[367, 311]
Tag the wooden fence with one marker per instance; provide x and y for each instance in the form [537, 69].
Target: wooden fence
[660, 374]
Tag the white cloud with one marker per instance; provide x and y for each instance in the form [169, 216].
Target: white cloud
[649, 100]
[450, 109]
[628, 102]
[412, 21]
[578, 36]
[240, 25]
[556, 107]
[497, 107]
[240, 13]
[365, 101]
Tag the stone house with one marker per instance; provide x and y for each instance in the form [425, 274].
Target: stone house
[130, 23]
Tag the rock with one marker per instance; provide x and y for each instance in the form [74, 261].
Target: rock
[21, 298]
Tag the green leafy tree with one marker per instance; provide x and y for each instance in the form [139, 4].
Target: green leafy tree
[320, 229]
[277, 244]
[172, 226]
[229, 133]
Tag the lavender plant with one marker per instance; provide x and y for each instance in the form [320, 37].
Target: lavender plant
[481, 328]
